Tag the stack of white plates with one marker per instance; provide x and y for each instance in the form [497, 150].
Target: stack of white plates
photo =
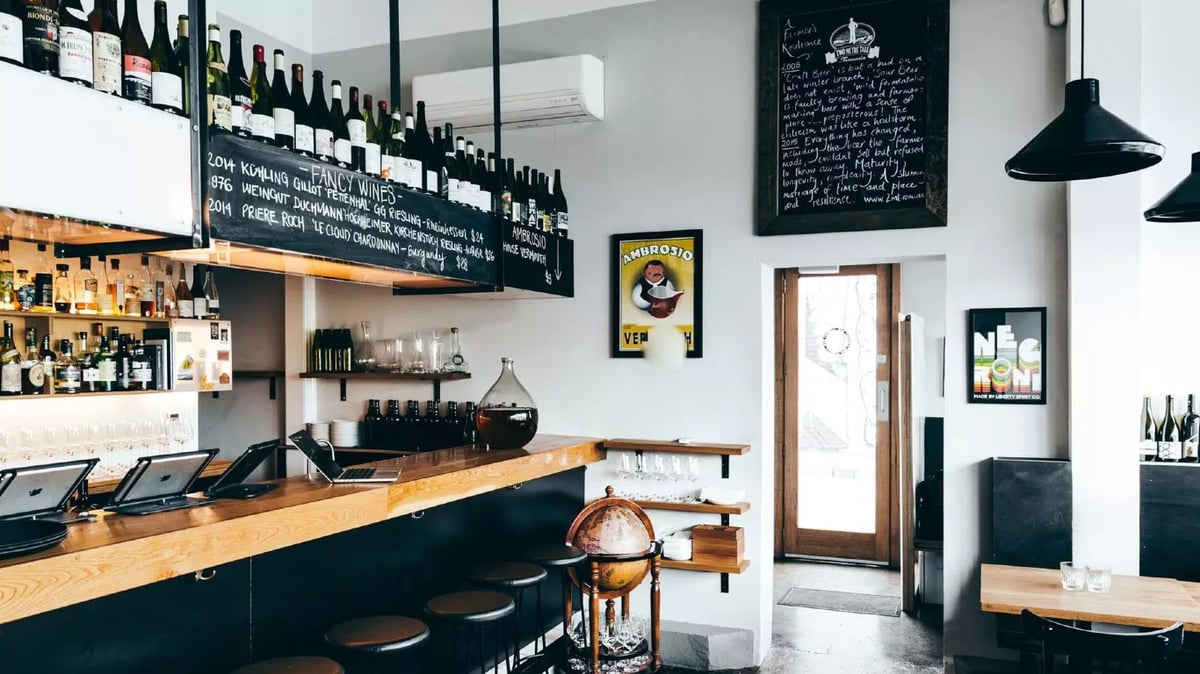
[343, 432]
[678, 546]
[319, 430]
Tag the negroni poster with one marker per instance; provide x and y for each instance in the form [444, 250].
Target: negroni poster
[1007, 355]
[656, 284]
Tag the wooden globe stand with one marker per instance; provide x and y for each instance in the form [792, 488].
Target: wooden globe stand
[592, 584]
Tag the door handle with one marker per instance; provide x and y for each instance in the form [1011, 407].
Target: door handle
[883, 400]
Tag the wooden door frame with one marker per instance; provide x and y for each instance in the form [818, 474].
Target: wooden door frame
[887, 547]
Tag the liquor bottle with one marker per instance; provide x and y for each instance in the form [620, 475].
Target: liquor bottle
[106, 366]
[347, 352]
[356, 127]
[372, 159]
[425, 145]
[432, 427]
[123, 364]
[471, 188]
[304, 141]
[66, 370]
[48, 358]
[561, 221]
[137, 57]
[148, 299]
[503, 190]
[528, 181]
[281, 106]
[199, 304]
[41, 36]
[107, 65]
[169, 305]
[104, 304]
[160, 289]
[33, 373]
[548, 211]
[116, 288]
[387, 160]
[166, 78]
[8, 279]
[391, 434]
[26, 291]
[63, 290]
[12, 21]
[413, 169]
[212, 302]
[87, 287]
[142, 373]
[470, 435]
[241, 100]
[1168, 441]
[370, 424]
[318, 115]
[262, 119]
[75, 63]
[133, 296]
[1190, 433]
[219, 103]
[448, 161]
[183, 296]
[462, 168]
[437, 158]
[183, 57]
[343, 155]
[451, 426]
[492, 202]
[89, 372]
[10, 363]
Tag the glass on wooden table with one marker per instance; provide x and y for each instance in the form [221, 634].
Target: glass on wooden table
[1099, 578]
[1073, 576]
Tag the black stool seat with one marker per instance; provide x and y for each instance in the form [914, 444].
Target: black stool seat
[555, 554]
[378, 634]
[476, 606]
[302, 665]
[508, 574]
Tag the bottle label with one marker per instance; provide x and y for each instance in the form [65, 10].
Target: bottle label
[410, 172]
[10, 373]
[146, 293]
[531, 217]
[561, 220]
[75, 54]
[137, 78]
[262, 126]
[222, 112]
[387, 165]
[167, 90]
[214, 307]
[141, 373]
[41, 28]
[484, 200]
[506, 204]
[35, 376]
[431, 181]
[1169, 451]
[285, 122]
[108, 370]
[358, 132]
[452, 190]
[106, 63]
[68, 378]
[304, 138]
[186, 309]
[11, 46]
[199, 307]
[240, 112]
[6, 286]
[323, 142]
[518, 211]
[374, 159]
[341, 151]
[91, 375]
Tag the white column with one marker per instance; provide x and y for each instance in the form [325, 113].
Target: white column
[1104, 288]
[300, 399]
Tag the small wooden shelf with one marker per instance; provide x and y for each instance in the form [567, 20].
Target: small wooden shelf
[705, 567]
[213, 469]
[257, 374]
[91, 318]
[712, 508]
[416, 376]
[72, 396]
[675, 447]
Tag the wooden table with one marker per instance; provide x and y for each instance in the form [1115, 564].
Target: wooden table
[121, 552]
[1134, 600]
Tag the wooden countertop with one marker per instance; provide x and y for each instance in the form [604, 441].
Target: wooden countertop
[120, 552]
[1134, 600]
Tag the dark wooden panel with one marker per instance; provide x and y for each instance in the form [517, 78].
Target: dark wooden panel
[1031, 512]
[1170, 520]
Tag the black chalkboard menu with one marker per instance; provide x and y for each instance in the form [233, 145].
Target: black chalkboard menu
[852, 115]
[539, 262]
[266, 197]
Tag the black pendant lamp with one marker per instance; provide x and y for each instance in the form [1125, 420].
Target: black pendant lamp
[1085, 140]
[1181, 204]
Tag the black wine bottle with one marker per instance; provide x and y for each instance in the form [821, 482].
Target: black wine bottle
[262, 119]
[239, 87]
[166, 80]
[1190, 433]
[561, 221]
[1168, 441]
[183, 56]
[40, 36]
[342, 150]
[356, 127]
[425, 148]
[281, 106]
[372, 162]
[137, 56]
[304, 128]
[75, 61]
[318, 115]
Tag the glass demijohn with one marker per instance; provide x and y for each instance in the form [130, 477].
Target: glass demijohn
[507, 417]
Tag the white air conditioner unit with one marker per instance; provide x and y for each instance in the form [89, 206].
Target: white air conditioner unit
[534, 93]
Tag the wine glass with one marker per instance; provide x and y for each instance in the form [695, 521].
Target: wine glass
[641, 474]
[625, 470]
[660, 474]
[435, 353]
[148, 435]
[693, 476]
[677, 475]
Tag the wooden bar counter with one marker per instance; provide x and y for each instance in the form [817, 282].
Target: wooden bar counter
[118, 553]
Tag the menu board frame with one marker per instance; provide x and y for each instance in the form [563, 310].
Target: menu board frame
[770, 219]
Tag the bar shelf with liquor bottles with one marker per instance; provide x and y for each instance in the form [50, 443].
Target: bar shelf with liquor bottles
[1169, 434]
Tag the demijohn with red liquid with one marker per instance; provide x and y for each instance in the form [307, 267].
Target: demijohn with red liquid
[506, 417]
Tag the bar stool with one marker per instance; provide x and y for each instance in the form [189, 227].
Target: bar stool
[377, 638]
[465, 612]
[301, 665]
[513, 578]
[562, 557]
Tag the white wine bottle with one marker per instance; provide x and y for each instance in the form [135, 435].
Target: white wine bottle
[166, 79]
[11, 27]
[107, 67]
[220, 104]
[74, 44]
[304, 140]
[262, 120]
[281, 106]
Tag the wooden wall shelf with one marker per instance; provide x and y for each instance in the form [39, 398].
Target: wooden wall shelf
[91, 318]
[436, 377]
[675, 447]
[710, 508]
[705, 567]
[72, 396]
[270, 375]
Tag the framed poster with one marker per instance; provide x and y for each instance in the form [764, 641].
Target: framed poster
[656, 283]
[1007, 360]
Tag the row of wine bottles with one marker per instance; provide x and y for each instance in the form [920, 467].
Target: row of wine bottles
[94, 368]
[362, 135]
[95, 51]
[1170, 437]
[416, 432]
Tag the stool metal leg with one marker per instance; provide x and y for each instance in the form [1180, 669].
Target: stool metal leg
[541, 625]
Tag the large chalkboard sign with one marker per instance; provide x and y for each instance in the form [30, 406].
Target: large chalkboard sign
[263, 196]
[852, 115]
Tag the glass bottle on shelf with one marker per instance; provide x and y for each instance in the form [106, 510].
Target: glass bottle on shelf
[432, 427]
[33, 372]
[48, 358]
[140, 378]
[43, 293]
[212, 301]
[104, 302]
[25, 291]
[451, 426]
[124, 364]
[1168, 441]
[63, 292]
[66, 370]
[391, 428]
[183, 295]
[146, 290]
[133, 296]
[410, 428]
[469, 435]
[170, 305]
[106, 366]
[364, 353]
[371, 422]
[10, 363]
[455, 362]
[220, 105]
[116, 287]
[199, 304]
[507, 417]
[161, 284]
[89, 373]
[1189, 427]
[86, 287]
[8, 279]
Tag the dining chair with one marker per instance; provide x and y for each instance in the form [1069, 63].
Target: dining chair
[1092, 652]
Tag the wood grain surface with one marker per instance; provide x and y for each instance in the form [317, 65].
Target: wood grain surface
[676, 447]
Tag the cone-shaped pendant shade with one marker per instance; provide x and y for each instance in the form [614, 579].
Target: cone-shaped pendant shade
[1084, 141]
[1181, 204]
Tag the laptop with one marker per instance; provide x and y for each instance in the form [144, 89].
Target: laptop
[160, 483]
[332, 471]
[230, 485]
[42, 492]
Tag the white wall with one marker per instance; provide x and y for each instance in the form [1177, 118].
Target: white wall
[290, 21]
[923, 292]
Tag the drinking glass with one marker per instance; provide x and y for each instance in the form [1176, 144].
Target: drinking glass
[435, 352]
[7, 449]
[1072, 576]
[148, 435]
[625, 470]
[639, 474]
[414, 353]
[1099, 578]
[693, 478]
[661, 475]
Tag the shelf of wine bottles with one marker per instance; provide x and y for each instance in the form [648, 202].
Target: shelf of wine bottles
[413, 431]
[1170, 434]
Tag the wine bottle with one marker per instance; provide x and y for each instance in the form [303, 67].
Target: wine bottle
[425, 146]
[137, 66]
[318, 115]
[220, 105]
[33, 373]
[447, 163]
[183, 296]
[166, 79]
[107, 65]
[12, 22]
[1168, 441]
[395, 145]
[515, 193]
[342, 151]
[470, 173]
[183, 57]
[262, 119]
[436, 169]
[40, 34]
[212, 301]
[75, 61]
[373, 157]
[547, 209]
[559, 199]
[146, 290]
[412, 171]
[356, 126]
[305, 143]
[1190, 433]
[483, 178]
[106, 366]
[66, 370]
[124, 365]
[383, 138]
[241, 100]
[199, 303]
[10, 363]
[281, 107]
[492, 187]
[462, 168]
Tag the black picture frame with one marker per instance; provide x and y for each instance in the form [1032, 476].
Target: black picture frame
[618, 290]
[1025, 383]
[769, 221]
